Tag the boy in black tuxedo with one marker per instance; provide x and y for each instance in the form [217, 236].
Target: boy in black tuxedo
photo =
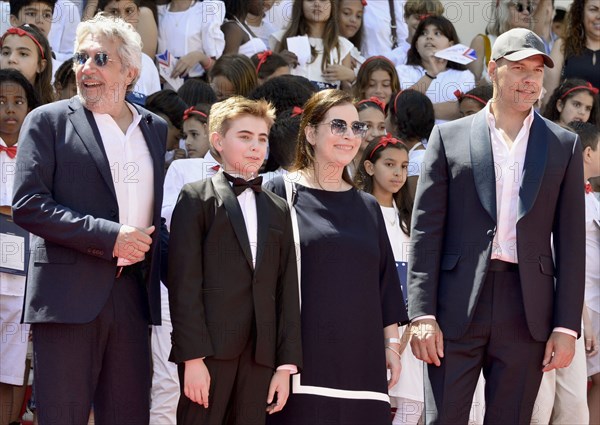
[233, 285]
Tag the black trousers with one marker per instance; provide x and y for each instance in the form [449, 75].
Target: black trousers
[237, 394]
[105, 363]
[498, 342]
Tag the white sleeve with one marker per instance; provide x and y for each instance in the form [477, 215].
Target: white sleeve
[212, 17]
[174, 181]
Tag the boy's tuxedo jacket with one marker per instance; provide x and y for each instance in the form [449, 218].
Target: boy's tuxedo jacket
[218, 300]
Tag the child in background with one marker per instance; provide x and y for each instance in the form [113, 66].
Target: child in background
[169, 106]
[269, 65]
[330, 62]
[26, 49]
[590, 141]
[383, 172]
[372, 112]
[573, 100]
[350, 25]
[232, 267]
[417, 10]
[474, 100]
[232, 75]
[377, 77]
[194, 91]
[411, 118]
[191, 31]
[64, 81]
[284, 92]
[239, 38]
[17, 98]
[283, 139]
[437, 78]
[195, 130]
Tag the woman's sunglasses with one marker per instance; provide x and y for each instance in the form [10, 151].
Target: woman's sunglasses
[100, 58]
[339, 127]
[522, 7]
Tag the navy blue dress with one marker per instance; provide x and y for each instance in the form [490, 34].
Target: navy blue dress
[349, 292]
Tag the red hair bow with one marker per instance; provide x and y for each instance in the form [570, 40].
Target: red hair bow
[262, 58]
[388, 139]
[364, 2]
[296, 111]
[588, 87]
[192, 111]
[424, 16]
[374, 100]
[22, 33]
[460, 96]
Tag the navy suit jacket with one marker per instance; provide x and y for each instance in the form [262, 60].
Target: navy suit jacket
[64, 195]
[454, 224]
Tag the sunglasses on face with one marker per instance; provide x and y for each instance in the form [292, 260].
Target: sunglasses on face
[100, 58]
[522, 7]
[339, 127]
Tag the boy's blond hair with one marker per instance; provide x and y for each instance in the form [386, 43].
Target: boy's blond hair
[221, 113]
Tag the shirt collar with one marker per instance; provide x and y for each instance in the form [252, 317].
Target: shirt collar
[491, 119]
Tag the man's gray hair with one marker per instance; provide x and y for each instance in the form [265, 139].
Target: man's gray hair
[130, 46]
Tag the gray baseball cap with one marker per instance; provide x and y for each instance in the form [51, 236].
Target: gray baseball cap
[518, 44]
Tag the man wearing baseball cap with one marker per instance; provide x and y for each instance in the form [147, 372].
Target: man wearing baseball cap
[496, 278]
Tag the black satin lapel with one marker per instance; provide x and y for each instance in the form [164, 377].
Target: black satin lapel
[482, 161]
[234, 211]
[535, 165]
[85, 126]
[262, 218]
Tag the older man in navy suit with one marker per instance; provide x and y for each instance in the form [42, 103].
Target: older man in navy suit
[89, 188]
[496, 281]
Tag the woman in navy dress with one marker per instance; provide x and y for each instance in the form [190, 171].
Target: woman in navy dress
[351, 299]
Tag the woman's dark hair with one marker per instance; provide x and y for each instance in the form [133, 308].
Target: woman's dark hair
[168, 103]
[284, 92]
[575, 37]
[283, 138]
[14, 76]
[364, 181]
[442, 24]
[235, 8]
[314, 113]
[271, 64]
[564, 92]
[194, 91]
[412, 115]
[239, 70]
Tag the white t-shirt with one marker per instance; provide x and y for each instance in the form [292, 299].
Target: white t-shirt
[442, 88]
[312, 70]
[149, 81]
[377, 39]
[65, 19]
[410, 384]
[195, 29]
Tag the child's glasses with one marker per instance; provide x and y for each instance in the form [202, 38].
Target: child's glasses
[339, 127]
[100, 58]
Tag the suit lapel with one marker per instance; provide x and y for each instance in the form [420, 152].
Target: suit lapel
[535, 164]
[85, 126]
[262, 219]
[232, 206]
[482, 161]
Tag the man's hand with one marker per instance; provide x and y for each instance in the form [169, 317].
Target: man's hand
[280, 384]
[427, 341]
[196, 382]
[133, 243]
[560, 350]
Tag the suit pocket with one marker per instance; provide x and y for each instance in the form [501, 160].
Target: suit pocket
[54, 255]
[546, 265]
[449, 261]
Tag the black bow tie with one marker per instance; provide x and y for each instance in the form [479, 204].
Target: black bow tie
[239, 184]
